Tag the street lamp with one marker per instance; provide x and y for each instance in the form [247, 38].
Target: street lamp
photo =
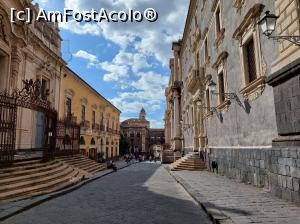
[232, 96]
[268, 25]
[211, 109]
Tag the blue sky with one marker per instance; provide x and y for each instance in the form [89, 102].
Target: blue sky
[126, 62]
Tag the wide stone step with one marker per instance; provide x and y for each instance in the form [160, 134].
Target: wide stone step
[36, 173]
[25, 167]
[90, 166]
[50, 186]
[73, 159]
[80, 163]
[96, 169]
[19, 172]
[62, 172]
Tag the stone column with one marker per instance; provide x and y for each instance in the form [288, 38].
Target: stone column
[176, 127]
[15, 65]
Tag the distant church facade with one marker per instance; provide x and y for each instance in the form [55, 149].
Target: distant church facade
[140, 136]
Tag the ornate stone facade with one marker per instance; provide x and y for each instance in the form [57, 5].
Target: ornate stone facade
[238, 125]
[140, 136]
[29, 51]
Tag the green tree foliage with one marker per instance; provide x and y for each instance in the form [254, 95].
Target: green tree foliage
[123, 145]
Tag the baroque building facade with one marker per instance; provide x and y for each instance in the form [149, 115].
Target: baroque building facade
[140, 136]
[29, 51]
[99, 119]
[247, 122]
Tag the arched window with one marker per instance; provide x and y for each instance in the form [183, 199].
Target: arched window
[93, 141]
[82, 140]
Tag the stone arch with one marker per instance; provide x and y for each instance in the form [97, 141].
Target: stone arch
[82, 140]
[93, 142]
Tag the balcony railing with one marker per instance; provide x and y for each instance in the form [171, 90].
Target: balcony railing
[85, 124]
[102, 127]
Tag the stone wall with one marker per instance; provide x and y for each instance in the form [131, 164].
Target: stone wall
[276, 169]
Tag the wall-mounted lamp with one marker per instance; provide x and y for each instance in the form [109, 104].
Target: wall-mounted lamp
[232, 96]
[268, 26]
[211, 109]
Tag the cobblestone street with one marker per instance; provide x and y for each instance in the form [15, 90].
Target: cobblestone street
[141, 193]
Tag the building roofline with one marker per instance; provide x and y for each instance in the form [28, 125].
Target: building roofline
[191, 10]
[91, 88]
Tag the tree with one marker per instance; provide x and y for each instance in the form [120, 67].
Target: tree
[123, 145]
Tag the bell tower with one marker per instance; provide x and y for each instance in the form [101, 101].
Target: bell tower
[143, 114]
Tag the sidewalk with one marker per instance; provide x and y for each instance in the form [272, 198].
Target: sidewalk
[228, 201]
[12, 208]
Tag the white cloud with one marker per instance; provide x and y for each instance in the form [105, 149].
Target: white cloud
[115, 72]
[85, 55]
[148, 38]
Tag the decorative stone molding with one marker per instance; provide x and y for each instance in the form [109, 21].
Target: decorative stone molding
[84, 101]
[224, 106]
[2, 30]
[238, 4]
[15, 65]
[214, 5]
[196, 39]
[221, 58]
[249, 19]
[94, 106]
[194, 81]
[254, 89]
[70, 93]
[219, 38]
[204, 33]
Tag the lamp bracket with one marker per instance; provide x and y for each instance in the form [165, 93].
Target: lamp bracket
[231, 96]
[293, 39]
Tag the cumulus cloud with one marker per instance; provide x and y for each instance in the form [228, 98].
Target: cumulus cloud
[130, 70]
[85, 55]
[148, 38]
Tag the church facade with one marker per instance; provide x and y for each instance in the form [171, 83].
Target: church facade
[140, 136]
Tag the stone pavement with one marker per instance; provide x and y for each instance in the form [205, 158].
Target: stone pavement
[233, 202]
[12, 208]
[142, 193]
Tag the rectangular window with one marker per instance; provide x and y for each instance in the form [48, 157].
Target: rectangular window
[82, 113]
[68, 107]
[94, 117]
[251, 63]
[221, 85]
[218, 20]
[44, 89]
[208, 100]
[206, 49]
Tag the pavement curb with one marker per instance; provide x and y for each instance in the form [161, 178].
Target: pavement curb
[216, 215]
[18, 207]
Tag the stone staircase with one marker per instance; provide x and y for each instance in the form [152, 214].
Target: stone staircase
[190, 162]
[168, 156]
[83, 163]
[34, 177]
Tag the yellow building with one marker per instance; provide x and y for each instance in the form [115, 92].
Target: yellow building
[98, 118]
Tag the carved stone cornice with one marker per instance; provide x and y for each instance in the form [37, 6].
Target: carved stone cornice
[221, 58]
[238, 4]
[254, 89]
[249, 19]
